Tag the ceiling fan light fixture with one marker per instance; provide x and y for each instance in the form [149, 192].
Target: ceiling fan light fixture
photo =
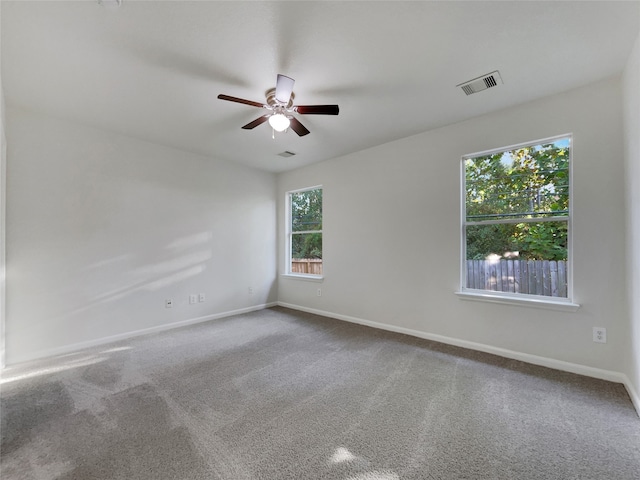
[279, 122]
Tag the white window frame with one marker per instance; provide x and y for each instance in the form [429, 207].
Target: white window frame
[554, 303]
[289, 236]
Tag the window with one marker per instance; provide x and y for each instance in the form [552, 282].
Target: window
[516, 220]
[304, 245]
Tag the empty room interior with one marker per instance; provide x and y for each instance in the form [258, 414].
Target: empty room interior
[355, 240]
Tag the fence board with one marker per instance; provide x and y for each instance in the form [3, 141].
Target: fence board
[312, 266]
[531, 265]
[553, 270]
[524, 277]
[534, 277]
[539, 278]
[562, 279]
[477, 277]
[512, 275]
[487, 275]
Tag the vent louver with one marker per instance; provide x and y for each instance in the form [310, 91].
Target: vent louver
[286, 154]
[481, 83]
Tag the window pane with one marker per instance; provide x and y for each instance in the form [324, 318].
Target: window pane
[306, 245]
[529, 258]
[527, 182]
[306, 210]
[306, 253]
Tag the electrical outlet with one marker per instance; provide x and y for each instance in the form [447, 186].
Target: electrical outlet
[168, 303]
[319, 292]
[193, 298]
[599, 334]
[250, 290]
[202, 297]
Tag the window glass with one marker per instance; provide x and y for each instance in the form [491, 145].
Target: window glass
[305, 232]
[516, 219]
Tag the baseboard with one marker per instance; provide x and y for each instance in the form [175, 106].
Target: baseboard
[64, 350]
[633, 394]
[502, 352]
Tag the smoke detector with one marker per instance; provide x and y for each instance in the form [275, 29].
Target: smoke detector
[481, 83]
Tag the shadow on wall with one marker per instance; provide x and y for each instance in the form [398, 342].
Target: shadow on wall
[184, 258]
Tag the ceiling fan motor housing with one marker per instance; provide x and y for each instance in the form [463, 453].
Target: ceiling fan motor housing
[271, 99]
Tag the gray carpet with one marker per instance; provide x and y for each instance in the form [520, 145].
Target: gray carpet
[280, 394]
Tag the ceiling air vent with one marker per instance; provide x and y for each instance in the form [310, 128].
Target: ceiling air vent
[286, 154]
[481, 83]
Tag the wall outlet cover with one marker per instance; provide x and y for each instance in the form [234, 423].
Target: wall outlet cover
[599, 334]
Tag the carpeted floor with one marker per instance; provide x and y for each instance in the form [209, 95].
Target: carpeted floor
[279, 394]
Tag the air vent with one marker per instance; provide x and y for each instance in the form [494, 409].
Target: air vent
[286, 154]
[481, 83]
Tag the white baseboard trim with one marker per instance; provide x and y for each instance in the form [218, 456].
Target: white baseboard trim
[502, 352]
[633, 394]
[66, 349]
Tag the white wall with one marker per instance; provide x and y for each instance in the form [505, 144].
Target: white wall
[631, 82]
[102, 228]
[3, 185]
[392, 242]
[3, 172]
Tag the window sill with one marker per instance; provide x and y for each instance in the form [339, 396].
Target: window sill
[545, 303]
[306, 278]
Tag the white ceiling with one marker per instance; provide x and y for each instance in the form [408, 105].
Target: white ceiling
[153, 70]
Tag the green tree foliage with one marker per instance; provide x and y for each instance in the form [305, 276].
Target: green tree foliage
[529, 182]
[306, 220]
[306, 246]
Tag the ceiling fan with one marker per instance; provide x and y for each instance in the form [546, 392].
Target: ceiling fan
[281, 108]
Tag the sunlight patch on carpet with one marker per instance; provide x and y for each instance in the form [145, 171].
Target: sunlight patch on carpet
[342, 455]
[376, 475]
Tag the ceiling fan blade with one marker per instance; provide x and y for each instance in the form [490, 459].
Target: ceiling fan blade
[297, 127]
[317, 109]
[284, 87]
[240, 100]
[256, 122]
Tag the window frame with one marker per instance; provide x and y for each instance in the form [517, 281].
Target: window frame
[289, 235]
[523, 299]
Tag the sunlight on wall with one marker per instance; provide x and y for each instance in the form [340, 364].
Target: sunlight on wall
[108, 261]
[58, 364]
[116, 349]
[7, 377]
[190, 241]
[174, 278]
[181, 265]
[172, 265]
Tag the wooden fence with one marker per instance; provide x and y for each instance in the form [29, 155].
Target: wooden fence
[535, 277]
[306, 265]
